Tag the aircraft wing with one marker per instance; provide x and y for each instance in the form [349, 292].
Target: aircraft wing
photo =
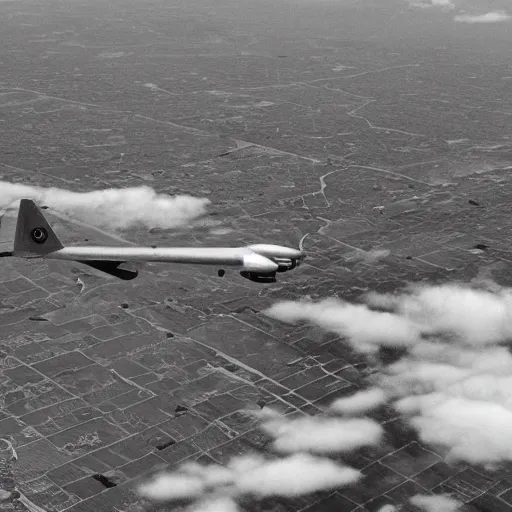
[119, 269]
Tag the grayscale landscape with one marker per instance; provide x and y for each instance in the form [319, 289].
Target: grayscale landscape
[382, 130]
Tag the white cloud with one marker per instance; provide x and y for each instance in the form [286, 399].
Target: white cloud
[216, 504]
[463, 16]
[366, 328]
[360, 402]
[490, 17]
[294, 476]
[388, 508]
[454, 384]
[115, 208]
[370, 256]
[169, 486]
[473, 316]
[212, 476]
[435, 503]
[322, 435]
[265, 413]
[244, 463]
[252, 475]
[425, 4]
[457, 397]
[473, 430]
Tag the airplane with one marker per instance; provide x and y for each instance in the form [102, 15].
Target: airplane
[34, 238]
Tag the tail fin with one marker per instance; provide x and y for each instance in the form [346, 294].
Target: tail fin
[34, 237]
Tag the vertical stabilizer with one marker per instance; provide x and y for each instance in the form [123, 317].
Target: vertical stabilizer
[34, 237]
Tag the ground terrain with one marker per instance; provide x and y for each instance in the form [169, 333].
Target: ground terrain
[392, 153]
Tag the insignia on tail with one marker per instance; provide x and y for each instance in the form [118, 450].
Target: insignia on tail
[34, 237]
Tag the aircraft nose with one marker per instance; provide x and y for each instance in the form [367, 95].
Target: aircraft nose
[275, 251]
[294, 254]
[299, 254]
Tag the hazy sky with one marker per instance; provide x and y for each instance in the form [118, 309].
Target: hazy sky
[477, 25]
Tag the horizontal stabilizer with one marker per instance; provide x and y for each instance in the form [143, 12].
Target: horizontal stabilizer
[118, 269]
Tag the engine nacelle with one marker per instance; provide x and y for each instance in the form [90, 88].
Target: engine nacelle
[285, 264]
[258, 277]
